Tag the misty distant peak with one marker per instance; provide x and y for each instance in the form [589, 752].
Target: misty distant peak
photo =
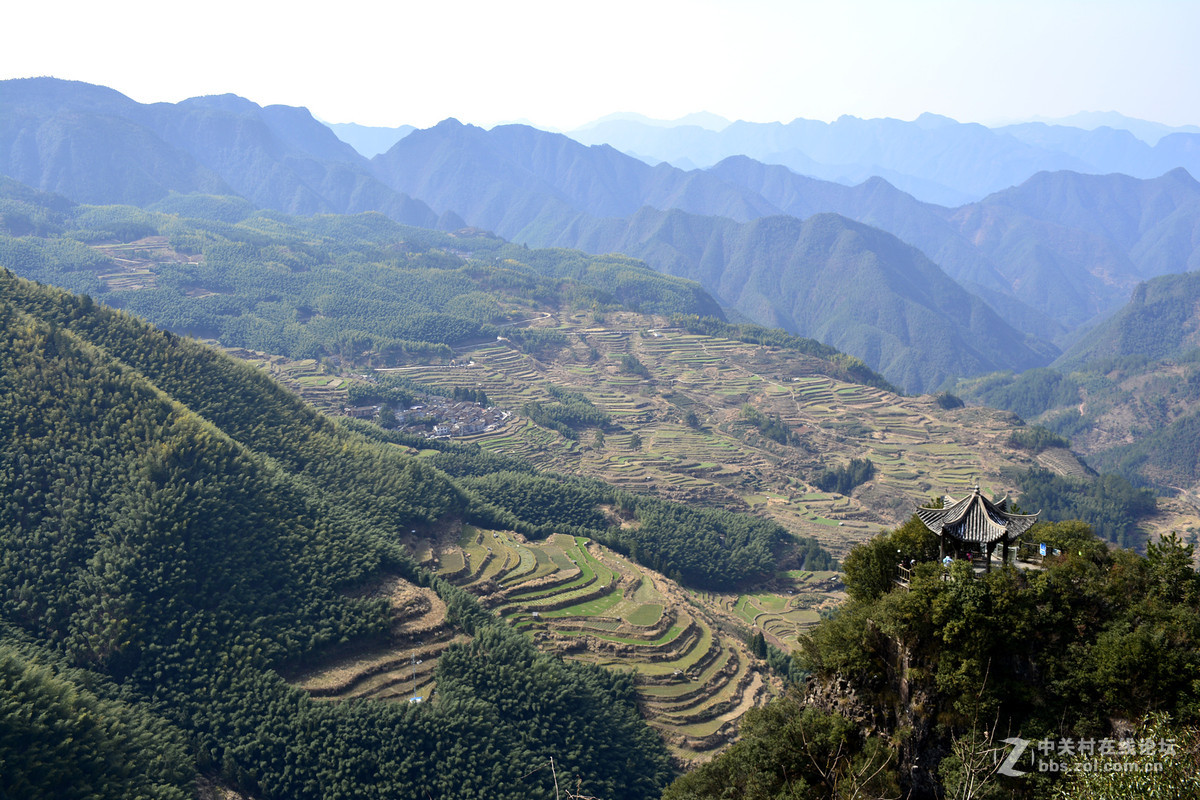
[929, 121]
[1148, 131]
[704, 119]
[528, 123]
[699, 119]
[1180, 175]
[222, 102]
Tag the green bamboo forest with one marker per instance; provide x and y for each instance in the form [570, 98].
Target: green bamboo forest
[177, 526]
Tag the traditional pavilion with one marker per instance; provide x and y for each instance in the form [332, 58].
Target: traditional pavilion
[975, 524]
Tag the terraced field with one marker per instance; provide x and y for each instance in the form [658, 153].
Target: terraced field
[136, 263]
[695, 677]
[918, 448]
[783, 614]
[307, 378]
[400, 669]
[693, 672]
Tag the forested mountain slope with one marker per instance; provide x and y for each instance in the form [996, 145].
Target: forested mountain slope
[1136, 417]
[1159, 321]
[180, 524]
[828, 278]
[1049, 255]
[1076, 245]
[1128, 393]
[362, 288]
[304, 287]
[877, 203]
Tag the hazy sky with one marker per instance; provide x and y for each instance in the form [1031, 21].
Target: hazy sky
[560, 63]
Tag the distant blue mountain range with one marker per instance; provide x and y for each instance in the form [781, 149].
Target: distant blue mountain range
[1048, 244]
[933, 158]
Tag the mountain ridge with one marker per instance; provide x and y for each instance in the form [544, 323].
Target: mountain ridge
[557, 195]
[934, 158]
[851, 286]
[56, 135]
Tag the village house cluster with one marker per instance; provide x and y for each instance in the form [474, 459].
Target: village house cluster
[450, 418]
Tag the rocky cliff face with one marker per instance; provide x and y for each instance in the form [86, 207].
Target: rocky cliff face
[898, 705]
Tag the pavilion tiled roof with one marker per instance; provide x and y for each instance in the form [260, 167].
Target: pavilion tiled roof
[975, 519]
